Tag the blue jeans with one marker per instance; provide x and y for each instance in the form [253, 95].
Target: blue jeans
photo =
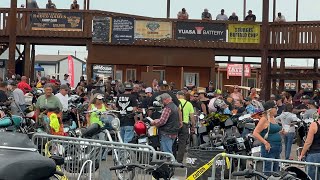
[166, 143]
[288, 140]
[126, 133]
[315, 158]
[274, 153]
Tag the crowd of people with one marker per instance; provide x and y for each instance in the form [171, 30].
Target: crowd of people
[206, 16]
[32, 4]
[275, 127]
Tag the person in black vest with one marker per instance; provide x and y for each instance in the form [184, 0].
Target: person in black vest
[168, 124]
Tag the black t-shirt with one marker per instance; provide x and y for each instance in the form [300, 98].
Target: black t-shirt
[3, 97]
[251, 17]
[145, 102]
[156, 94]
[123, 102]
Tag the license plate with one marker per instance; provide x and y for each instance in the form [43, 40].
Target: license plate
[142, 140]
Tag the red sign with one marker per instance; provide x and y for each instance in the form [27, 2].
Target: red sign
[236, 70]
[71, 70]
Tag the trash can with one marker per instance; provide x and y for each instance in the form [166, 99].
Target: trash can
[198, 157]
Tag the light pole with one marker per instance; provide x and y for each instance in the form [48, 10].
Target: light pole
[297, 10]
[168, 9]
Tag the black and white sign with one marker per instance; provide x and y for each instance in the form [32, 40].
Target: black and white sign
[122, 30]
[102, 70]
[200, 31]
[101, 29]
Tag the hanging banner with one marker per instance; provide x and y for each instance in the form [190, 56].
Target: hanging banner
[122, 30]
[290, 85]
[306, 85]
[152, 30]
[244, 33]
[56, 21]
[236, 70]
[101, 29]
[190, 79]
[103, 71]
[71, 70]
[200, 31]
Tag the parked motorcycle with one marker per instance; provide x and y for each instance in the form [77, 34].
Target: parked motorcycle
[21, 161]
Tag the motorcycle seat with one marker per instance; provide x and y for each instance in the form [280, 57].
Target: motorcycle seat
[24, 165]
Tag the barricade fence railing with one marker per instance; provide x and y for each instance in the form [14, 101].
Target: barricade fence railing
[224, 164]
[102, 154]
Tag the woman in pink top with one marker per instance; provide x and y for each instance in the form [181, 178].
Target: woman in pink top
[236, 95]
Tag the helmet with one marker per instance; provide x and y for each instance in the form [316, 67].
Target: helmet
[140, 128]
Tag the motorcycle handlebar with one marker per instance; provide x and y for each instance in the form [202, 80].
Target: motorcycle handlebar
[249, 172]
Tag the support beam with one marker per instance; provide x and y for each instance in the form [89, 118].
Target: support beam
[85, 5]
[168, 8]
[274, 71]
[213, 70]
[282, 70]
[182, 77]
[316, 70]
[297, 10]
[12, 38]
[89, 60]
[274, 9]
[27, 61]
[265, 81]
[33, 57]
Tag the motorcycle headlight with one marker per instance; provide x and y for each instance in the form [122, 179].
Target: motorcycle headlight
[115, 123]
[111, 121]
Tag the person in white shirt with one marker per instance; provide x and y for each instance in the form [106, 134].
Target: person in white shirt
[65, 80]
[183, 14]
[18, 97]
[222, 16]
[280, 18]
[63, 97]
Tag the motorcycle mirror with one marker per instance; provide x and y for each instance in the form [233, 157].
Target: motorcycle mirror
[201, 116]
[130, 109]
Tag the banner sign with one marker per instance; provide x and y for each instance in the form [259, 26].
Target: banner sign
[244, 33]
[290, 85]
[101, 30]
[122, 30]
[200, 31]
[307, 86]
[236, 70]
[152, 30]
[71, 70]
[56, 21]
[190, 79]
[102, 70]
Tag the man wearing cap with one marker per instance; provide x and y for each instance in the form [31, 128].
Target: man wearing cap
[316, 96]
[312, 109]
[280, 104]
[19, 100]
[248, 104]
[127, 120]
[168, 123]
[206, 15]
[146, 99]
[250, 16]
[222, 16]
[163, 88]
[297, 98]
[303, 106]
[63, 97]
[187, 115]
[65, 79]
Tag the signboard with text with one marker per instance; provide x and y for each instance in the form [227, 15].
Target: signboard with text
[290, 85]
[56, 21]
[236, 70]
[306, 85]
[244, 33]
[122, 30]
[101, 29]
[103, 71]
[152, 30]
[200, 31]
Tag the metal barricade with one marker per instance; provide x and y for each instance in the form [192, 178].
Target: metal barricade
[224, 164]
[102, 156]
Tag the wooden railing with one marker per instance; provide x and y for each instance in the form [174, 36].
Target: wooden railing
[283, 36]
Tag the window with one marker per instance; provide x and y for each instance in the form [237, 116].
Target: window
[191, 79]
[251, 82]
[118, 75]
[131, 74]
[162, 74]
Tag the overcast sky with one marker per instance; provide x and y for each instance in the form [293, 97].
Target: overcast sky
[157, 8]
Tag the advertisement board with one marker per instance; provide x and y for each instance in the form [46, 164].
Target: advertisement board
[122, 30]
[236, 70]
[244, 33]
[56, 21]
[101, 30]
[152, 30]
[200, 31]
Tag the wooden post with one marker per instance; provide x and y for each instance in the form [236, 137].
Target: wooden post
[33, 56]
[12, 38]
[182, 78]
[88, 4]
[244, 9]
[85, 5]
[316, 70]
[282, 70]
[274, 71]
[297, 10]
[265, 82]
[89, 62]
[274, 9]
[27, 60]
[213, 70]
[168, 9]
